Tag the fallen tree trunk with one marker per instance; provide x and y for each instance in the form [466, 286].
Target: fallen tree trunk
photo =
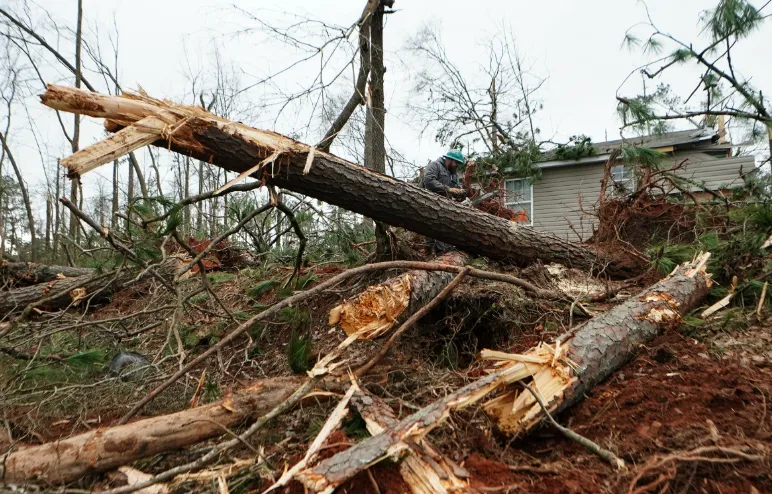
[381, 307]
[103, 449]
[289, 164]
[62, 292]
[561, 374]
[20, 274]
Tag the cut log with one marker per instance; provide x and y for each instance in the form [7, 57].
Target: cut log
[303, 169]
[20, 274]
[103, 449]
[562, 374]
[382, 306]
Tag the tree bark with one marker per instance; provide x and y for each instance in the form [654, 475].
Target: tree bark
[562, 375]
[25, 198]
[382, 306]
[106, 448]
[31, 273]
[74, 223]
[19, 298]
[299, 168]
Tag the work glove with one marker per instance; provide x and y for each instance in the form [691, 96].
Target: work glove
[457, 192]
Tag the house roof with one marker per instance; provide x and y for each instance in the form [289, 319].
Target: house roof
[655, 141]
[663, 142]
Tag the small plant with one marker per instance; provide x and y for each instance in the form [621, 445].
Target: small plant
[299, 352]
[261, 288]
[217, 278]
[201, 297]
[449, 355]
[295, 317]
[212, 391]
[356, 427]
[305, 281]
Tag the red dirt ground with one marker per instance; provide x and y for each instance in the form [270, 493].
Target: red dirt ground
[662, 402]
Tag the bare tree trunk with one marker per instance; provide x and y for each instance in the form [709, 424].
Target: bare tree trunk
[186, 225]
[380, 307]
[31, 273]
[74, 223]
[375, 121]
[200, 207]
[239, 148]
[102, 449]
[116, 205]
[24, 196]
[129, 195]
[58, 217]
[49, 220]
[140, 176]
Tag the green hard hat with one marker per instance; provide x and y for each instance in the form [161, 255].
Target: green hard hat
[455, 155]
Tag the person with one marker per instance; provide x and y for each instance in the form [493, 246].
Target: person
[440, 176]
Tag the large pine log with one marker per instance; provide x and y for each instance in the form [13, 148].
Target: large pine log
[103, 449]
[561, 374]
[19, 274]
[295, 166]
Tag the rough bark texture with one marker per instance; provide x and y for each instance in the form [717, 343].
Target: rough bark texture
[561, 374]
[30, 273]
[104, 449]
[597, 348]
[382, 306]
[18, 298]
[238, 148]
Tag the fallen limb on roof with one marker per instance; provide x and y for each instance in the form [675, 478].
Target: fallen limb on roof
[107, 448]
[292, 165]
[561, 373]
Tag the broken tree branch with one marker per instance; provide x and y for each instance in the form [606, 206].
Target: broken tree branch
[587, 444]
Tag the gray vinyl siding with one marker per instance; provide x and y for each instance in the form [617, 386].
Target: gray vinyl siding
[715, 174]
[563, 192]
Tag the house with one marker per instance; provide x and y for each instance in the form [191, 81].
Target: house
[555, 202]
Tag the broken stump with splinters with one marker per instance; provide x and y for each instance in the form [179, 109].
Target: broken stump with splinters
[380, 307]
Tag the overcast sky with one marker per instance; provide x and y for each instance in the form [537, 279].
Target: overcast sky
[574, 44]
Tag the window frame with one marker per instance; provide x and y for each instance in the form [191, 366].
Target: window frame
[632, 181]
[507, 203]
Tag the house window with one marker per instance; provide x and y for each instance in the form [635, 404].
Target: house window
[623, 179]
[519, 197]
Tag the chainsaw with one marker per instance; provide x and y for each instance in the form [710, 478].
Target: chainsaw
[477, 200]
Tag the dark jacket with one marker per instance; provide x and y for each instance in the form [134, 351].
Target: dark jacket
[437, 178]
